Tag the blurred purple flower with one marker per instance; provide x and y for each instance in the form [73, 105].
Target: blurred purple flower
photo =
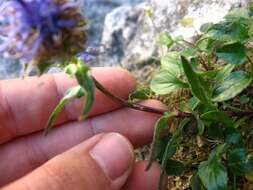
[41, 29]
[91, 52]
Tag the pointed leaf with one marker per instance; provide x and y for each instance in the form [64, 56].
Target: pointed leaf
[161, 124]
[196, 83]
[76, 92]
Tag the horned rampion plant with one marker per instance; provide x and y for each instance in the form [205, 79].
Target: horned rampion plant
[216, 70]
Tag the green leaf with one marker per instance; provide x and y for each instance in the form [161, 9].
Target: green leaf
[165, 83]
[170, 148]
[140, 94]
[165, 39]
[201, 126]
[160, 125]
[233, 53]
[174, 168]
[233, 85]
[196, 183]
[71, 69]
[85, 80]
[172, 63]
[196, 83]
[218, 116]
[191, 105]
[76, 92]
[205, 27]
[228, 32]
[233, 137]
[212, 173]
[239, 162]
[224, 72]
[189, 52]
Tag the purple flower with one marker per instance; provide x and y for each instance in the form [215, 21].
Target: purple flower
[39, 30]
[91, 52]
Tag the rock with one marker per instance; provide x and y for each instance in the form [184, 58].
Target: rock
[167, 15]
[130, 36]
[119, 30]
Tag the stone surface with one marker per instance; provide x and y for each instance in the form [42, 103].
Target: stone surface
[168, 16]
[130, 36]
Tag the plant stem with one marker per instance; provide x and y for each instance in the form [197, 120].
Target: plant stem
[136, 106]
[144, 108]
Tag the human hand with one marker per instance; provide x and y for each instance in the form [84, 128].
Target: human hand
[76, 155]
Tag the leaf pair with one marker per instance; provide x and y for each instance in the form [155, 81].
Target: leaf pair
[85, 88]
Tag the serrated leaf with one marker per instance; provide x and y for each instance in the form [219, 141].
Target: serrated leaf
[160, 125]
[235, 53]
[76, 92]
[233, 85]
[239, 162]
[165, 39]
[196, 83]
[174, 168]
[212, 173]
[218, 116]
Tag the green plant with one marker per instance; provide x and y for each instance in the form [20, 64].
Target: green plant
[216, 70]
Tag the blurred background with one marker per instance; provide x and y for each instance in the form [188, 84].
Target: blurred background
[129, 28]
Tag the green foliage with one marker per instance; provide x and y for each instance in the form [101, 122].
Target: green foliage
[169, 77]
[85, 88]
[212, 172]
[233, 85]
[217, 70]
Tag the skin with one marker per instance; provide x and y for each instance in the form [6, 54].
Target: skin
[93, 154]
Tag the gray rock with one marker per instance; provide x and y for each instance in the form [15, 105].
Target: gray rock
[167, 15]
[129, 35]
[120, 30]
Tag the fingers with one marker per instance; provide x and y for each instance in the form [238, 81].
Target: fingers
[142, 179]
[32, 151]
[25, 105]
[102, 162]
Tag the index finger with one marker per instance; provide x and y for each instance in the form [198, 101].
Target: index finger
[25, 105]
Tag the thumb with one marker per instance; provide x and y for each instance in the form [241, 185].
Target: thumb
[103, 162]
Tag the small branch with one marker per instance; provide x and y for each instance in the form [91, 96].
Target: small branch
[136, 106]
[144, 108]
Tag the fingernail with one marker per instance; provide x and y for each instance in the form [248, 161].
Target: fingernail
[114, 154]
